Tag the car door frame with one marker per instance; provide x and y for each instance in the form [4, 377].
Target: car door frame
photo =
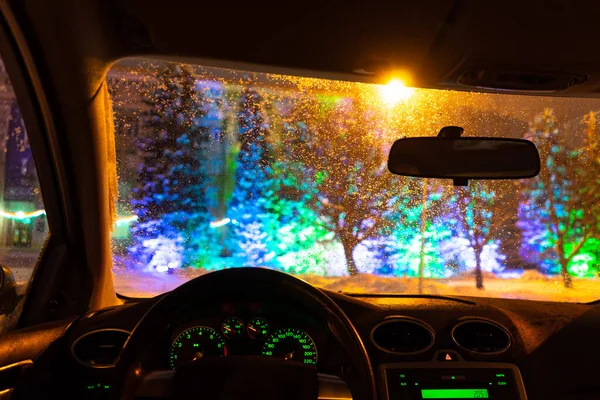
[60, 285]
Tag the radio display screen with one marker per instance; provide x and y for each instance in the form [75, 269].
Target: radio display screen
[455, 394]
[451, 383]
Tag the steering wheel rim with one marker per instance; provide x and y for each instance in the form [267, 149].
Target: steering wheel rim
[130, 371]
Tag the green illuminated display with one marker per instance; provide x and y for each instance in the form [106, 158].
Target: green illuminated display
[232, 327]
[97, 386]
[258, 328]
[196, 343]
[454, 394]
[291, 344]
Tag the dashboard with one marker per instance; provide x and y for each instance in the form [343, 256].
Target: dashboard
[420, 347]
[259, 325]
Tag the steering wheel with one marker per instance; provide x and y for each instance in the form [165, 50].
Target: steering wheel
[241, 377]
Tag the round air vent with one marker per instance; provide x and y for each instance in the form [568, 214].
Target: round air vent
[99, 349]
[402, 336]
[480, 336]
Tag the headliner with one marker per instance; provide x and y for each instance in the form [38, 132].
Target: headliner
[434, 40]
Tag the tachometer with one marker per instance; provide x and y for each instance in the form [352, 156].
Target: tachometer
[291, 344]
[196, 343]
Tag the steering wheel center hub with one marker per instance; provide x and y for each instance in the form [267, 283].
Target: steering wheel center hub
[246, 377]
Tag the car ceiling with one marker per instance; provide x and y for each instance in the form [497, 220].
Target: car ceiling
[434, 40]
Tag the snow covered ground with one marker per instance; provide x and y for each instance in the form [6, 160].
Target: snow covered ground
[532, 285]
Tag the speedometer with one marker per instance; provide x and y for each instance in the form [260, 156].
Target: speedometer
[196, 343]
[291, 344]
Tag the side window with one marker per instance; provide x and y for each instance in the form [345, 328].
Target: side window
[23, 224]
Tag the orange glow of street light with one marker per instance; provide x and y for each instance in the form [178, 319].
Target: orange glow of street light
[395, 91]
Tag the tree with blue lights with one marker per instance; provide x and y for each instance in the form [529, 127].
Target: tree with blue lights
[251, 206]
[169, 198]
[481, 214]
[557, 213]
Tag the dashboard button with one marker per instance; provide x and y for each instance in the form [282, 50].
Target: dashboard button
[448, 356]
[453, 377]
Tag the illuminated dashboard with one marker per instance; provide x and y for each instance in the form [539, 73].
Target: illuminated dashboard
[238, 338]
[548, 372]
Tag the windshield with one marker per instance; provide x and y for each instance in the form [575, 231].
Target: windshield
[222, 169]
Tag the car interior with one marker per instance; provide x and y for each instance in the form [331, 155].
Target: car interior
[68, 333]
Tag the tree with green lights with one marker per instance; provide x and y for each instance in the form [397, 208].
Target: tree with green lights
[302, 236]
[413, 248]
[169, 197]
[558, 209]
[590, 171]
[346, 161]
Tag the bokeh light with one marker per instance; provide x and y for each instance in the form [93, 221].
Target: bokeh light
[395, 92]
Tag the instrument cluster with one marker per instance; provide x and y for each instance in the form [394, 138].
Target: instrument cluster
[234, 336]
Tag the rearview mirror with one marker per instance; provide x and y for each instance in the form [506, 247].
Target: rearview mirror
[464, 158]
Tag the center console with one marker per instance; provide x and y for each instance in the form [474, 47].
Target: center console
[456, 380]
